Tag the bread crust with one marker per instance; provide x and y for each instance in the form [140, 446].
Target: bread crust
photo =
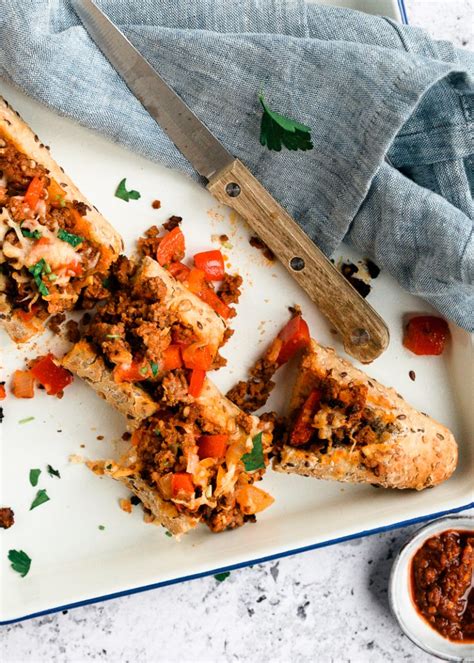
[126, 397]
[420, 452]
[14, 129]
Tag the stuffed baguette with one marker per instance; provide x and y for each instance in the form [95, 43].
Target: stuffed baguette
[347, 427]
[54, 246]
[153, 331]
[197, 463]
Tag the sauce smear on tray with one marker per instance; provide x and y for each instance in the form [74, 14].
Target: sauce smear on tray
[442, 585]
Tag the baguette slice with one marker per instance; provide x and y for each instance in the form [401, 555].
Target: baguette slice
[217, 410]
[410, 450]
[14, 130]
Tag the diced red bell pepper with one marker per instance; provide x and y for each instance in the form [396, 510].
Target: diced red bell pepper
[182, 484]
[294, 337]
[198, 285]
[23, 384]
[172, 358]
[171, 247]
[54, 378]
[196, 382]
[3, 393]
[179, 271]
[426, 335]
[211, 263]
[302, 429]
[56, 194]
[34, 192]
[134, 372]
[212, 446]
[26, 316]
[197, 356]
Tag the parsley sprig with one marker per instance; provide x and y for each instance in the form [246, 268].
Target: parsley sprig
[254, 460]
[41, 497]
[277, 130]
[20, 562]
[122, 192]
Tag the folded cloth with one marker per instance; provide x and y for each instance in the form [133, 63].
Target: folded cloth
[391, 112]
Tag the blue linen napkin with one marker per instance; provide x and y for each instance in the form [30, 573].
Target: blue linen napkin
[391, 112]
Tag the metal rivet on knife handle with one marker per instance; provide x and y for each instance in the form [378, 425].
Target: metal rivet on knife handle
[232, 189]
[297, 264]
[363, 332]
[360, 336]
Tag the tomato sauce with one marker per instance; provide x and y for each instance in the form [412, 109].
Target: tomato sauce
[442, 584]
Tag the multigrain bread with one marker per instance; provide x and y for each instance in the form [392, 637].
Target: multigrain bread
[362, 431]
[21, 152]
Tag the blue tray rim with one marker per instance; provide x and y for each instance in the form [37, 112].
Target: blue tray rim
[240, 565]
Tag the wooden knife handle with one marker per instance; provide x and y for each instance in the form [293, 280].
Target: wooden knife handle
[364, 333]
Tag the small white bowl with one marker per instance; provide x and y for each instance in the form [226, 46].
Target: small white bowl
[411, 622]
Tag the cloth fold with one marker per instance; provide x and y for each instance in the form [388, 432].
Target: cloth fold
[391, 113]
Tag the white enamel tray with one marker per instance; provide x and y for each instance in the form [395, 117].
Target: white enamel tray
[73, 561]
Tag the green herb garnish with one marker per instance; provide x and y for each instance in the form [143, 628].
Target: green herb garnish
[52, 472]
[41, 498]
[37, 270]
[122, 192]
[34, 476]
[220, 577]
[107, 283]
[157, 432]
[277, 130]
[254, 460]
[52, 277]
[101, 527]
[143, 370]
[31, 234]
[73, 240]
[20, 562]
[168, 533]
[154, 368]
[25, 420]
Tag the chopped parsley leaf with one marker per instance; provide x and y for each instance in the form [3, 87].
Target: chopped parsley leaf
[101, 527]
[254, 460]
[37, 270]
[143, 370]
[52, 472]
[70, 238]
[41, 498]
[154, 368]
[277, 130]
[34, 476]
[26, 420]
[20, 562]
[31, 234]
[122, 192]
[168, 533]
[107, 283]
[220, 577]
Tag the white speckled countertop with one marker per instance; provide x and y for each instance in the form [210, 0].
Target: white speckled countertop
[324, 605]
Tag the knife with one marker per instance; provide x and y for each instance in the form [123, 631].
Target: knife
[364, 333]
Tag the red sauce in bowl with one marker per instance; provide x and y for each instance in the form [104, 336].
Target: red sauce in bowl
[442, 585]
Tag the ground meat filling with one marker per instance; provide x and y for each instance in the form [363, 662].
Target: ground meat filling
[339, 416]
[134, 324]
[7, 518]
[165, 443]
[442, 583]
[46, 254]
[252, 394]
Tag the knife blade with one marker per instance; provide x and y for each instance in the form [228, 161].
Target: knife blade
[364, 333]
